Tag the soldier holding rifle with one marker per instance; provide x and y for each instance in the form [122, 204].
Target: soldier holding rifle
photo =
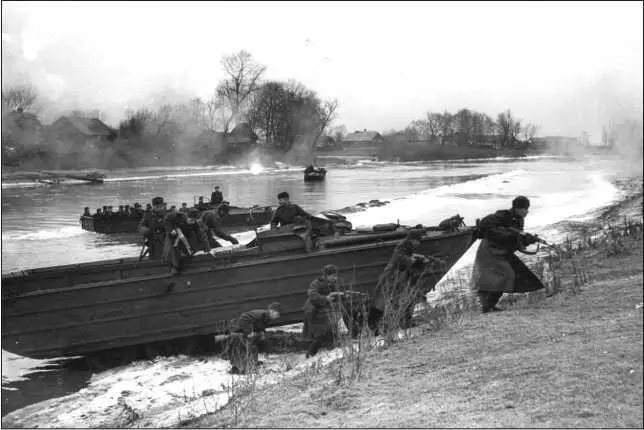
[161, 230]
[496, 269]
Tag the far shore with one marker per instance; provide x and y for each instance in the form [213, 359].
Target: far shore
[11, 173]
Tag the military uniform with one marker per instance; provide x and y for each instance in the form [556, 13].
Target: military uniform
[287, 214]
[242, 352]
[496, 269]
[156, 227]
[216, 197]
[210, 222]
[398, 278]
[319, 316]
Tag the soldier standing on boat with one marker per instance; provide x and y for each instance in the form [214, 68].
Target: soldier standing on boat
[216, 197]
[158, 228]
[396, 294]
[210, 223]
[247, 335]
[496, 269]
[319, 315]
[287, 213]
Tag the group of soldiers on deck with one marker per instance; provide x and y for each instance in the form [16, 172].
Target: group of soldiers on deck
[124, 211]
[165, 230]
[173, 234]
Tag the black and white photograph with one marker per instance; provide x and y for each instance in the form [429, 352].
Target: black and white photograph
[314, 214]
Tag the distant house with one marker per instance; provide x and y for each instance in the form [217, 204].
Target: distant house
[325, 143]
[363, 138]
[83, 130]
[241, 138]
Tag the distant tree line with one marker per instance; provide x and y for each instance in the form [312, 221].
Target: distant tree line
[468, 127]
[280, 115]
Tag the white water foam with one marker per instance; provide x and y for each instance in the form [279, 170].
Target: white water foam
[55, 233]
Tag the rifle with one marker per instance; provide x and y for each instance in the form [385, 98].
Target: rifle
[182, 239]
[522, 233]
[145, 250]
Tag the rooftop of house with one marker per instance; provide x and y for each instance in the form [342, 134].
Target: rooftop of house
[85, 126]
[361, 136]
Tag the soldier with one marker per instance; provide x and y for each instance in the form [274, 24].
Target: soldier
[247, 333]
[496, 269]
[395, 293]
[127, 211]
[287, 213]
[216, 197]
[98, 213]
[319, 316]
[184, 208]
[86, 212]
[105, 213]
[121, 211]
[158, 228]
[210, 222]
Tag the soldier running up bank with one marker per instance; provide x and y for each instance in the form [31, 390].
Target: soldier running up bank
[497, 269]
[159, 229]
[248, 336]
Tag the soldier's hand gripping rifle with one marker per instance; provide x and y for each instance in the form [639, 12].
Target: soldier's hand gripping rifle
[181, 238]
[530, 239]
[145, 249]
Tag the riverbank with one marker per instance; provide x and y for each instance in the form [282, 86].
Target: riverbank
[168, 391]
[570, 360]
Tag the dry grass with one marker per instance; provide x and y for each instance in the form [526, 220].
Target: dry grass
[574, 359]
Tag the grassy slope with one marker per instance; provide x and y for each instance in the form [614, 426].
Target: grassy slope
[568, 360]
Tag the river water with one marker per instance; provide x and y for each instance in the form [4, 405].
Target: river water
[40, 224]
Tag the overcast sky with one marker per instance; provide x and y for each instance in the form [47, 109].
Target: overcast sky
[565, 67]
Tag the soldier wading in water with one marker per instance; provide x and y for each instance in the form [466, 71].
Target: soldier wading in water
[496, 269]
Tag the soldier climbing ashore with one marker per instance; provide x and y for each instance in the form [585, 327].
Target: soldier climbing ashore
[496, 269]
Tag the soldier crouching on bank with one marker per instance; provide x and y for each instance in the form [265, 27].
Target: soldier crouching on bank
[158, 228]
[496, 269]
[247, 334]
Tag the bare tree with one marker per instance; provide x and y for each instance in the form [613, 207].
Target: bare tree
[529, 131]
[243, 76]
[433, 121]
[327, 113]
[505, 122]
[19, 98]
[516, 129]
[446, 126]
